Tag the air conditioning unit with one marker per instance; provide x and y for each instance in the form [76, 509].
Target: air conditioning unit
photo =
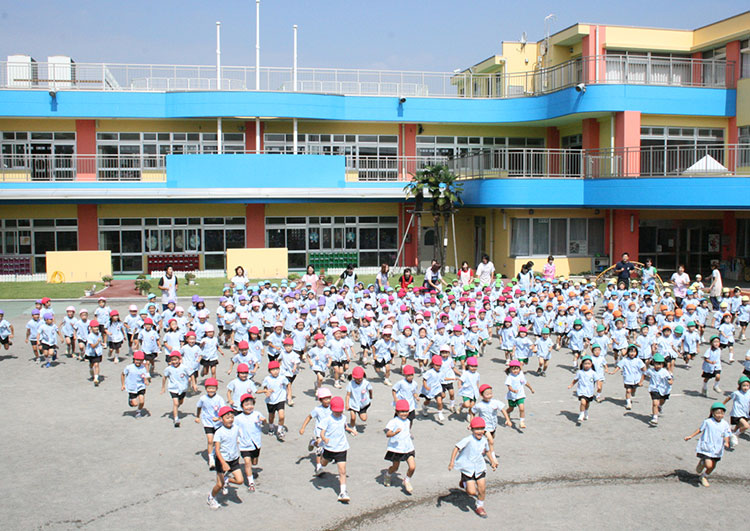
[22, 71]
[61, 72]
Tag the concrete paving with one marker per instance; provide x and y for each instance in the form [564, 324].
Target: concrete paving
[75, 457]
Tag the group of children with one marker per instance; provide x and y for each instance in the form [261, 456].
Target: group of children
[435, 340]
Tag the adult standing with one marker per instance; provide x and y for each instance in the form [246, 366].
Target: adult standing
[348, 277]
[550, 269]
[680, 280]
[623, 268]
[648, 274]
[525, 276]
[168, 286]
[381, 279]
[485, 270]
[239, 280]
[311, 278]
[714, 290]
[465, 274]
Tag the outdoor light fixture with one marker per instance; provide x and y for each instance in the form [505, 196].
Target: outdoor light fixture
[581, 87]
[402, 100]
[52, 94]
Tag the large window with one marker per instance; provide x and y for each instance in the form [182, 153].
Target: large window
[122, 156]
[670, 150]
[745, 58]
[35, 237]
[130, 238]
[649, 68]
[557, 236]
[46, 156]
[373, 238]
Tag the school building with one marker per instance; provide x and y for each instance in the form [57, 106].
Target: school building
[597, 140]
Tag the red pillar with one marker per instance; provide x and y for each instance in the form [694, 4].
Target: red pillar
[628, 142]
[255, 226]
[625, 240]
[86, 145]
[591, 134]
[733, 54]
[729, 231]
[88, 228]
[732, 140]
[697, 74]
[250, 136]
[407, 147]
[589, 50]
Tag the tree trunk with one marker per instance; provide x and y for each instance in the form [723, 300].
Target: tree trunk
[437, 253]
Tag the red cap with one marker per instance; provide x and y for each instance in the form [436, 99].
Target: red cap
[94, 324]
[402, 405]
[437, 360]
[477, 422]
[45, 300]
[472, 361]
[407, 370]
[190, 334]
[243, 345]
[288, 341]
[139, 355]
[245, 397]
[211, 382]
[273, 365]
[242, 367]
[175, 354]
[337, 404]
[318, 336]
[148, 320]
[358, 372]
[226, 409]
[484, 387]
[114, 312]
[254, 330]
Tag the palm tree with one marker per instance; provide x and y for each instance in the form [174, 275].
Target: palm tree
[439, 185]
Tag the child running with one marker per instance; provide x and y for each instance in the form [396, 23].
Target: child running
[134, 379]
[468, 457]
[515, 382]
[400, 446]
[585, 382]
[714, 437]
[740, 415]
[177, 375]
[208, 414]
[320, 412]
[488, 408]
[333, 436]
[250, 424]
[358, 397]
[660, 386]
[227, 450]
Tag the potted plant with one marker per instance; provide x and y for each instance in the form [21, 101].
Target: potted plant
[140, 278]
[145, 286]
[107, 279]
[189, 278]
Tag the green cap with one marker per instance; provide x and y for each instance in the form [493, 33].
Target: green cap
[718, 405]
[498, 284]
[600, 328]
[712, 338]
[691, 323]
[596, 345]
[742, 380]
[679, 330]
[577, 322]
[633, 345]
[466, 288]
[545, 330]
[620, 319]
[658, 358]
[586, 358]
[644, 325]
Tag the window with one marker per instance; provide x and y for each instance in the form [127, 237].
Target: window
[649, 68]
[745, 58]
[560, 237]
[47, 156]
[671, 150]
[18, 237]
[744, 146]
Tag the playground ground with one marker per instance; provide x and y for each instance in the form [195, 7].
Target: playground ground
[74, 457]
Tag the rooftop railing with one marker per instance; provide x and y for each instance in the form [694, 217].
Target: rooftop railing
[709, 160]
[615, 69]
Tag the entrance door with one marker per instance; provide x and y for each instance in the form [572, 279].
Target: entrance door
[480, 229]
[41, 162]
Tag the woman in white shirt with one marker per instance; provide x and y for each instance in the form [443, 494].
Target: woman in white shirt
[681, 281]
[485, 270]
[239, 280]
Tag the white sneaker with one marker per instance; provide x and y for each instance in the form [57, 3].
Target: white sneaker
[225, 486]
[440, 416]
[628, 404]
[387, 382]
[211, 461]
[344, 497]
[733, 440]
[407, 486]
[654, 421]
[337, 384]
[212, 503]
[580, 418]
[318, 470]
[717, 389]
[586, 416]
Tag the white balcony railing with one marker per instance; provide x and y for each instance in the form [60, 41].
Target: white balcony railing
[617, 69]
[714, 160]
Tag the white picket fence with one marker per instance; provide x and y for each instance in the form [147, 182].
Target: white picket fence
[36, 277]
[208, 273]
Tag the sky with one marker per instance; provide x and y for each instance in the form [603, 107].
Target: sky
[432, 35]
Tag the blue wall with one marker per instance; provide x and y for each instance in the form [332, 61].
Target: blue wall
[598, 98]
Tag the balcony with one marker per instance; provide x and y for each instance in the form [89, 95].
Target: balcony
[731, 160]
[607, 69]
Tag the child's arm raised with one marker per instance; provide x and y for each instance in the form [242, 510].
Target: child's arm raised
[696, 432]
[304, 424]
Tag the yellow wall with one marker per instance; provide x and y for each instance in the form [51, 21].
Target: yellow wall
[574, 128]
[605, 132]
[43, 124]
[483, 130]
[516, 56]
[258, 263]
[170, 210]
[648, 39]
[743, 102]
[722, 31]
[167, 126]
[38, 211]
[683, 121]
[332, 209]
[79, 266]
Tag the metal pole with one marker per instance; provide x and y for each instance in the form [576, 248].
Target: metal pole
[218, 55]
[257, 48]
[403, 240]
[294, 61]
[455, 254]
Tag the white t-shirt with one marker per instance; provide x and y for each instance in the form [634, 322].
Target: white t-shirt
[484, 272]
[718, 286]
